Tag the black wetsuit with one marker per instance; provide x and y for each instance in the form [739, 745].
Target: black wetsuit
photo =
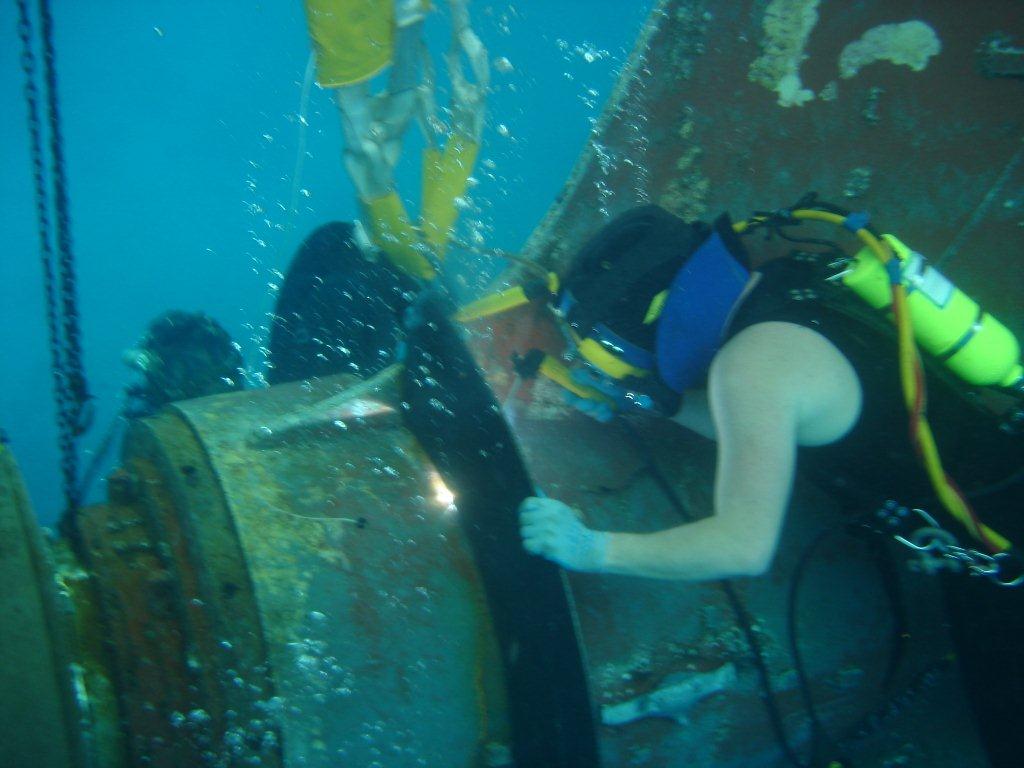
[875, 461]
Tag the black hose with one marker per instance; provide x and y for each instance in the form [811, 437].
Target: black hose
[819, 736]
[95, 465]
[739, 609]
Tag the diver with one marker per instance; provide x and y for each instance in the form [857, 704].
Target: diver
[781, 364]
[183, 355]
[353, 43]
[350, 283]
[670, 318]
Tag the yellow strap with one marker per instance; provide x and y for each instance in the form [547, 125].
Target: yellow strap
[556, 371]
[604, 360]
[554, 283]
[656, 307]
[445, 178]
[502, 301]
[395, 236]
[493, 304]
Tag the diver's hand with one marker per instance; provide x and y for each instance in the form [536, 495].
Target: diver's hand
[552, 529]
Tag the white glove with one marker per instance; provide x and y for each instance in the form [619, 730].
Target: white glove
[553, 530]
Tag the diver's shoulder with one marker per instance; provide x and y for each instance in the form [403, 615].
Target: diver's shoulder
[778, 358]
[772, 342]
[785, 368]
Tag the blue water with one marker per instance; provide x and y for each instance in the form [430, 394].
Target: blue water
[181, 136]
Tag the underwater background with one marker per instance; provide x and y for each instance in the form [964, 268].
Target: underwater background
[330, 570]
[181, 130]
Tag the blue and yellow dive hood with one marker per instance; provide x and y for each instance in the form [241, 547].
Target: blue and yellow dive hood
[644, 304]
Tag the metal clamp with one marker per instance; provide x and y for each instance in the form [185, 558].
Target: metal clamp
[938, 549]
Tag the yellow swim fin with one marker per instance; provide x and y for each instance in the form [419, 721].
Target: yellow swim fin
[445, 179]
[392, 232]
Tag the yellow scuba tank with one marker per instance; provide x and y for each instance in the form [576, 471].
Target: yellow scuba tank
[947, 323]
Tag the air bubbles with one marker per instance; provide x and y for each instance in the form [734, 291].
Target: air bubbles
[199, 716]
[586, 51]
[503, 65]
[503, 130]
[272, 705]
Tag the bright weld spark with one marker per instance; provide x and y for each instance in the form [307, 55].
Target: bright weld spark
[442, 495]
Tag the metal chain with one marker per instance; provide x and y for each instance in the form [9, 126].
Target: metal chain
[73, 367]
[938, 549]
[65, 349]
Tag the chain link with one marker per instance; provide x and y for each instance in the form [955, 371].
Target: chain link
[71, 393]
[938, 549]
[73, 367]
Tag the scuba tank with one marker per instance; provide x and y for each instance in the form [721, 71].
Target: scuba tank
[946, 322]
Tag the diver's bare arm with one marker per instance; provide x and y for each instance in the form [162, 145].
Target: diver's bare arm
[754, 405]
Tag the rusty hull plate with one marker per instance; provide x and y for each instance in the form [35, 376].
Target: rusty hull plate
[935, 155]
